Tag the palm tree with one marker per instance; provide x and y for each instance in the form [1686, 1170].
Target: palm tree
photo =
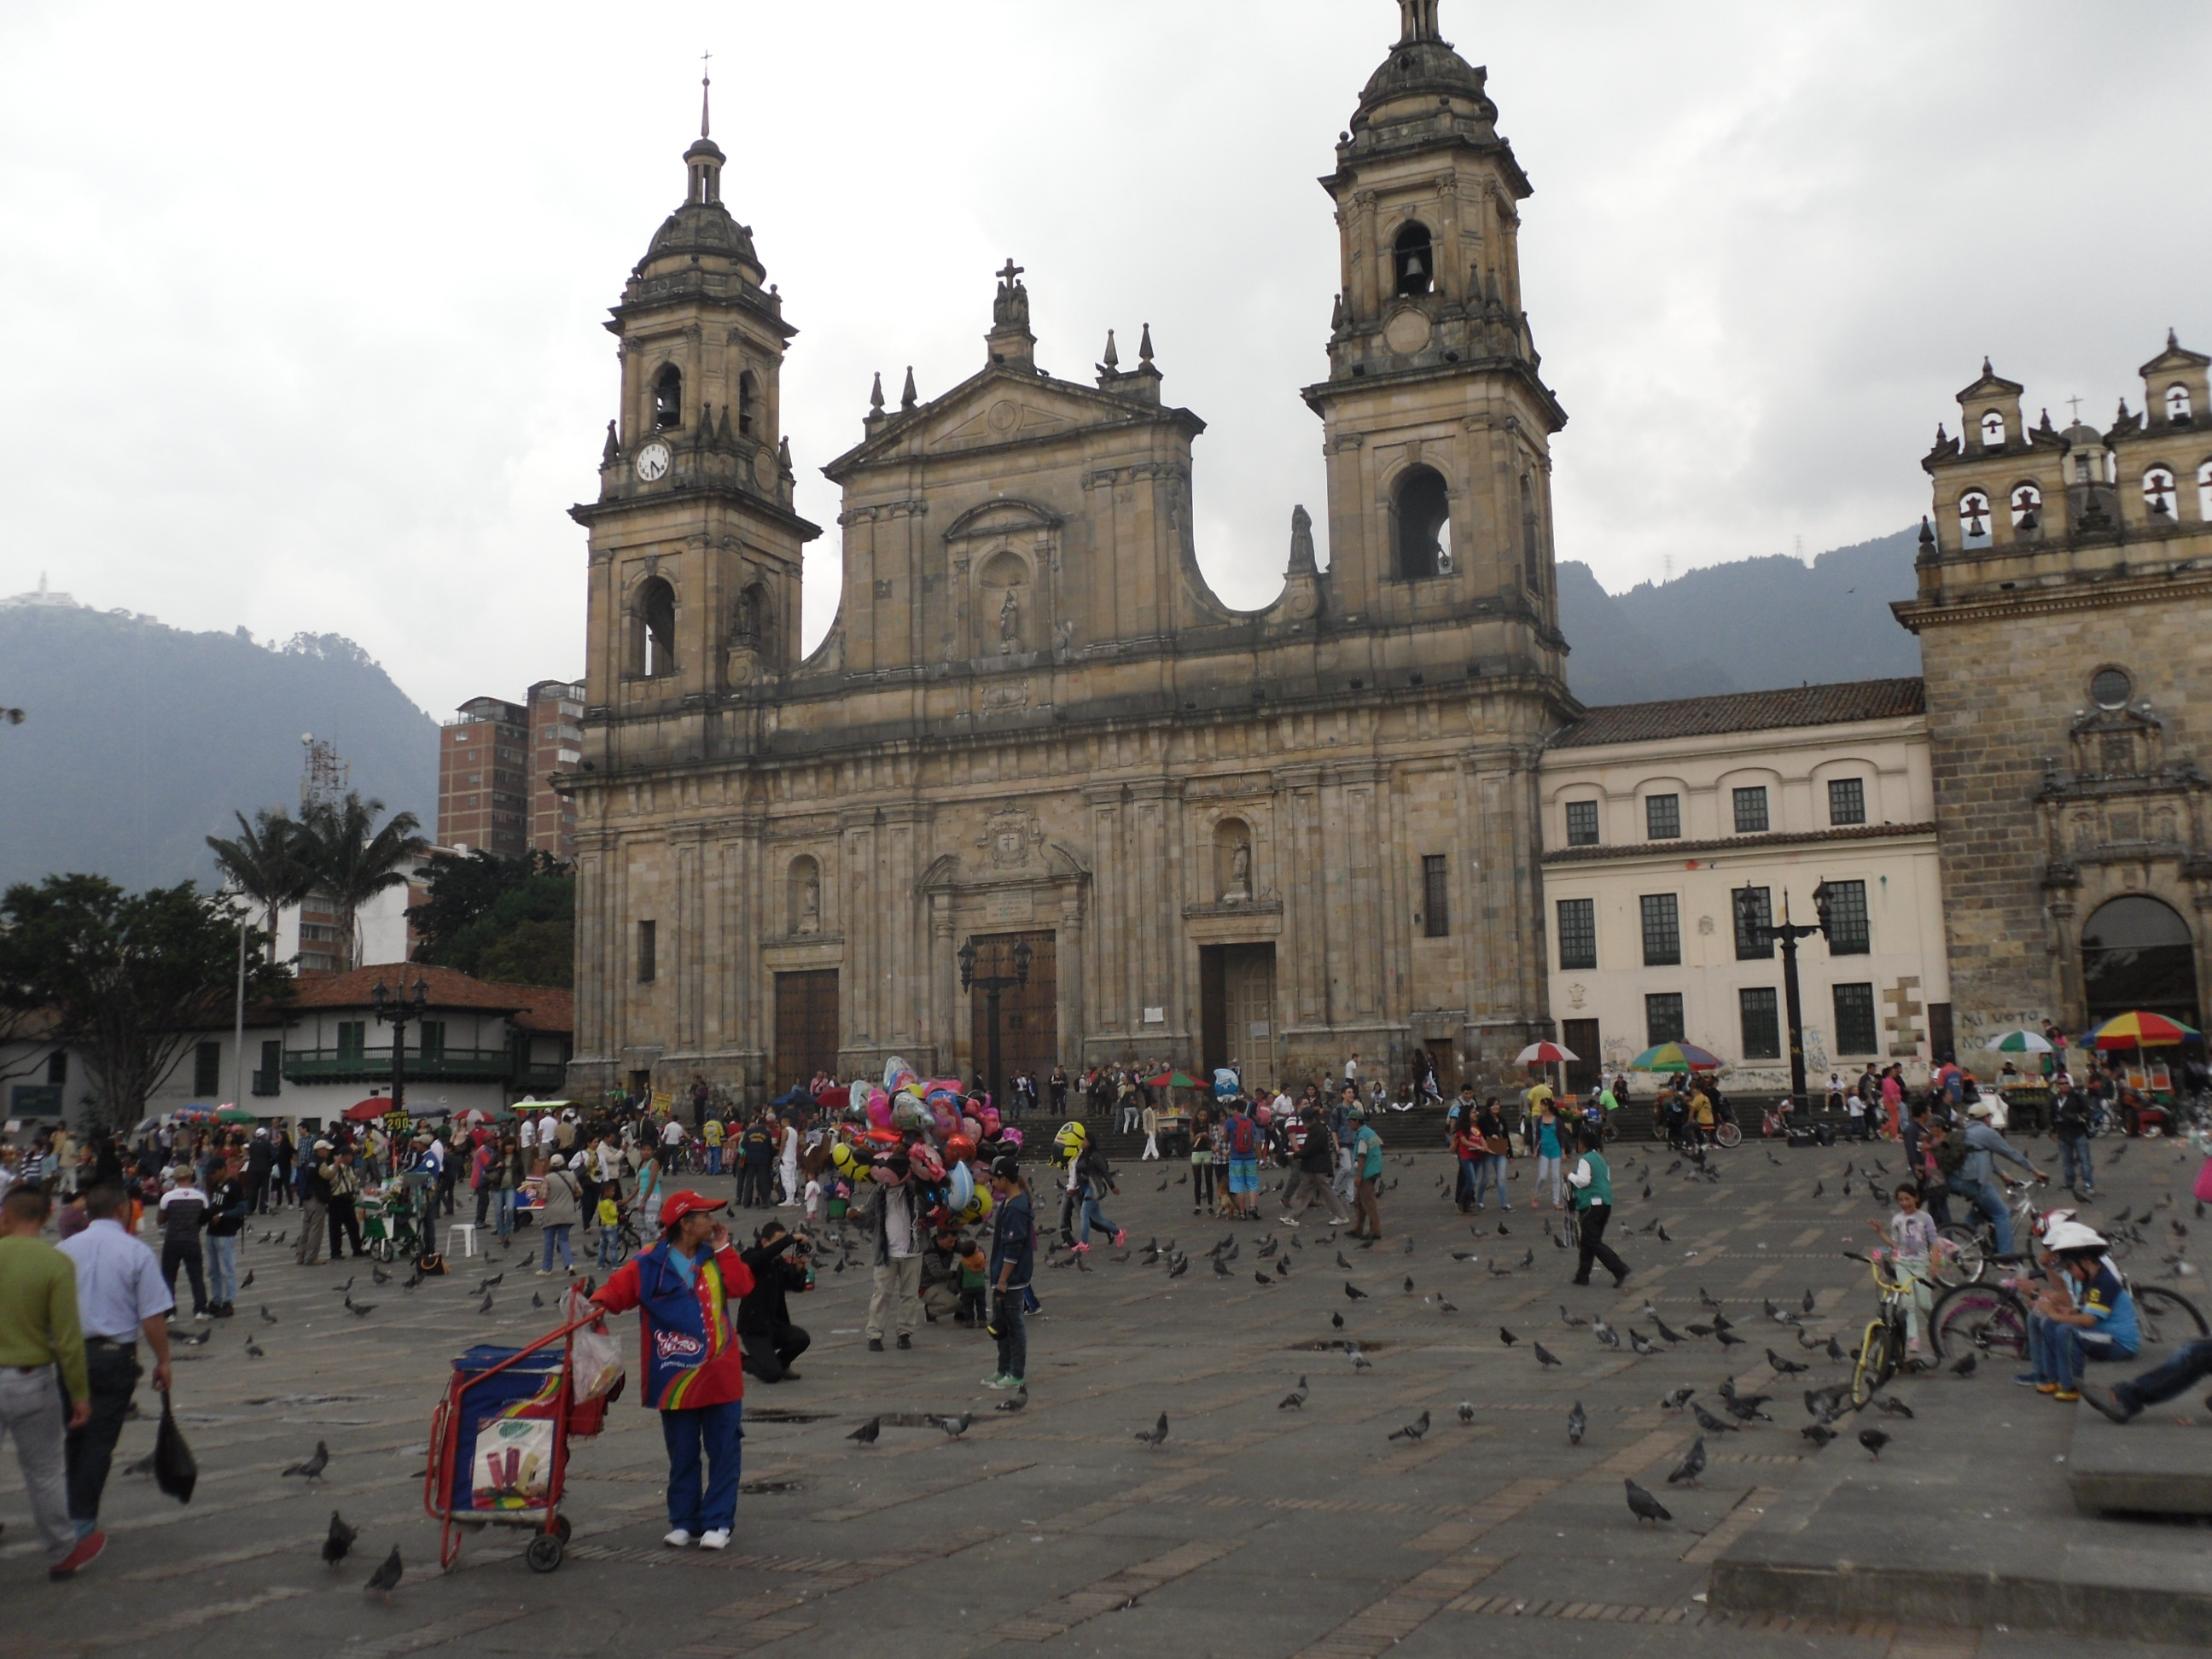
[351, 860]
[263, 861]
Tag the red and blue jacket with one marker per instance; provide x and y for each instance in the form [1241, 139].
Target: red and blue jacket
[687, 1331]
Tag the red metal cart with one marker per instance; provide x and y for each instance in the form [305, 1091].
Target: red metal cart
[524, 1401]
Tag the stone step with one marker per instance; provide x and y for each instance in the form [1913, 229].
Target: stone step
[2158, 1464]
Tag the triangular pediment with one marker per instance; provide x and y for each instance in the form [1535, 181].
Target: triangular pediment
[1000, 406]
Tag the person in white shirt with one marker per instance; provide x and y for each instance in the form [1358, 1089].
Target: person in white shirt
[1352, 1069]
[549, 1134]
[672, 1143]
[790, 1162]
[1856, 1109]
[525, 1133]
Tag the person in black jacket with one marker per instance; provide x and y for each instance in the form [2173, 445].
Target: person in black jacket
[226, 1218]
[778, 1263]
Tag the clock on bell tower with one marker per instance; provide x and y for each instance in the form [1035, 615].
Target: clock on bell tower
[695, 551]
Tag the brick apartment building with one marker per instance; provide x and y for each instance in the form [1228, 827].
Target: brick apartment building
[495, 764]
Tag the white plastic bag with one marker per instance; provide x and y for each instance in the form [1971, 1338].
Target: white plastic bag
[596, 1355]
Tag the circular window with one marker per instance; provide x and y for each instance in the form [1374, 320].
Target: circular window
[2110, 687]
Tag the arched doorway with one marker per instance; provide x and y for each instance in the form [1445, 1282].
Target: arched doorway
[2137, 952]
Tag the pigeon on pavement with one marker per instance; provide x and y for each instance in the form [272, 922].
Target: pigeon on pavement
[1577, 1425]
[312, 1467]
[1692, 1466]
[338, 1541]
[1545, 1356]
[1158, 1434]
[385, 1579]
[1413, 1431]
[1874, 1440]
[866, 1433]
[1295, 1399]
[1642, 1505]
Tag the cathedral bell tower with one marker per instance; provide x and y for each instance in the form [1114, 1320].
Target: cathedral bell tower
[1438, 436]
[694, 549]
[1438, 426]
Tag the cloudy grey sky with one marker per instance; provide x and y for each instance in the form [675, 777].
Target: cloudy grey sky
[300, 306]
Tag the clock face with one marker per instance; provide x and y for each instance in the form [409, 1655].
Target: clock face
[652, 461]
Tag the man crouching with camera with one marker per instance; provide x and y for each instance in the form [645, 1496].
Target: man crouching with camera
[782, 1263]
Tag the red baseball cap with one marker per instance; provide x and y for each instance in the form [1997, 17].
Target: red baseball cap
[677, 1206]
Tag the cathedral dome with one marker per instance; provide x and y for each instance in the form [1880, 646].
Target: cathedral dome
[1425, 70]
[701, 231]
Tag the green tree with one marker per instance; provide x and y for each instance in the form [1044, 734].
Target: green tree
[512, 920]
[132, 979]
[264, 862]
[352, 860]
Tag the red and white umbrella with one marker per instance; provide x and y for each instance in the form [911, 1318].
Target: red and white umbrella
[1545, 1053]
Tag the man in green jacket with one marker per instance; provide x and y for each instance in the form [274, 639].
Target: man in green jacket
[1592, 1181]
[42, 1360]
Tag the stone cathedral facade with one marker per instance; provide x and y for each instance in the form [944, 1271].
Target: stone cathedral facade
[1268, 837]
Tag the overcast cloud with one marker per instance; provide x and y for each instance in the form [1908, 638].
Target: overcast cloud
[300, 308]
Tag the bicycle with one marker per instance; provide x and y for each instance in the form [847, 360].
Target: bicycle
[1992, 1319]
[1882, 1352]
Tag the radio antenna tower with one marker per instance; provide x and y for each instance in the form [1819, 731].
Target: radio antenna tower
[323, 777]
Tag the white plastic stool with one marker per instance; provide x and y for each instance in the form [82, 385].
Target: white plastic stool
[465, 1231]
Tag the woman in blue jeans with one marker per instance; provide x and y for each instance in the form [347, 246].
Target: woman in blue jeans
[1489, 1169]
[1096, 1179]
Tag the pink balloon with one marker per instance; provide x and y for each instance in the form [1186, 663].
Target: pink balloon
[972, 1130]
[879, 1109]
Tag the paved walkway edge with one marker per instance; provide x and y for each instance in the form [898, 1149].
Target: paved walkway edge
[1845, 1595]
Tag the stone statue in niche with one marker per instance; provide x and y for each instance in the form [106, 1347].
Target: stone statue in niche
[1239, 889]
[1010, 624]
[810, 904]
[1301, 541]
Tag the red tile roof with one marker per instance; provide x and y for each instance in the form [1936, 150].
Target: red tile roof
[533, 1007]
[1745, 711]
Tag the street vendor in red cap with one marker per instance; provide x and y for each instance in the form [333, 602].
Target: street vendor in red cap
[686, 1289]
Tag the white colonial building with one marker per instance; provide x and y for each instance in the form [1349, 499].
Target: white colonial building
[1656, 816]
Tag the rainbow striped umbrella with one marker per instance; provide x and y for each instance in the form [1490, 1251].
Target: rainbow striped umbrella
[2140, 1029]
[1677, 1057]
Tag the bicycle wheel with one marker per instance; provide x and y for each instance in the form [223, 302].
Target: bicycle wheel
[2167, 1315]
[1875, 1364]
[1963, 1259]
[1728, 1136]
[1979, 1319]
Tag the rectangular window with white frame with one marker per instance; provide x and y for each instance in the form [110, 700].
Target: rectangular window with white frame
[1855, 1024]
[1577, 934]
[1759, 1011]
[1661, 915]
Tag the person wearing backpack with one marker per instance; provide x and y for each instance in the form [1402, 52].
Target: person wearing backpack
[1243, 1138]
[1095, 1179]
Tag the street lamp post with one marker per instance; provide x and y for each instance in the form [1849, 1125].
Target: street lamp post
[397, 1012]
[992, 986]
[1786, 933]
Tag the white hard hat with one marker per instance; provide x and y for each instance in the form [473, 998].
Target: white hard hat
[2073, 1236]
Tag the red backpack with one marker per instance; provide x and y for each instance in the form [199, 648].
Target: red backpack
[1242, 1137]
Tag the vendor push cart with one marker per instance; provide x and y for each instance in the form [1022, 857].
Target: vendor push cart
[498, 1441]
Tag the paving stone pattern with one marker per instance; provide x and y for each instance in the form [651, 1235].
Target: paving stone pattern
[1253, 1530]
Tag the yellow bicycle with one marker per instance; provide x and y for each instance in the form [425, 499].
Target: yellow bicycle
[1881, 1350]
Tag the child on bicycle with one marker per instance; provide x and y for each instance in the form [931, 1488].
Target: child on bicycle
[1912, 1238]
